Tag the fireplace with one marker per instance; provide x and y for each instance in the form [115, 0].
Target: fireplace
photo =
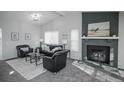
[98, 53]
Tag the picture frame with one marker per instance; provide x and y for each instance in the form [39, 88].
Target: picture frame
[100, 29]
[27, 36]
[14, 36]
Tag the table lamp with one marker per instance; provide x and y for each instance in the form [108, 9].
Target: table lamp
[41, 41]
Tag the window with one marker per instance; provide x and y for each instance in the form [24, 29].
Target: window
[75, 40]
[52, 37]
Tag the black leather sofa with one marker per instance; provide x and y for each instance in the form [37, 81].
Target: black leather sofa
[22, 53]
[49, 53]
[56, 62]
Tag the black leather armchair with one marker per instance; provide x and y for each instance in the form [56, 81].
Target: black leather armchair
[21, 53]
[56, 62]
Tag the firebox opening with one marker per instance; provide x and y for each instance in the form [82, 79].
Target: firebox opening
[98, 53]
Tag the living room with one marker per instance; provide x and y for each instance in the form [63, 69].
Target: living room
[99, 30]
[69, 29]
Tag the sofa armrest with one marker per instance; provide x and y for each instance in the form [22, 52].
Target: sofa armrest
[47, 61]
[46, 57]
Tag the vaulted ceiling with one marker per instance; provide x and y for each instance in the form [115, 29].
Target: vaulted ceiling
[25, 16]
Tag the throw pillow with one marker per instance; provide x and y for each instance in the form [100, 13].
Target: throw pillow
[46, 48]
[25, 49]
[43, 47]
[56, 49]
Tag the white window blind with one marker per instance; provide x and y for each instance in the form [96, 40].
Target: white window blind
[75, 40]
[52, 37]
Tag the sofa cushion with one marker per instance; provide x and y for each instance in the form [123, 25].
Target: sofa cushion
[50, 54]
[54, 46]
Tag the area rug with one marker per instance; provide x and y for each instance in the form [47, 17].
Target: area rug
[26, 69]
[95, 73]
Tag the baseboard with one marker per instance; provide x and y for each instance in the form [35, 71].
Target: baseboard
[121, 69]
[10, 59]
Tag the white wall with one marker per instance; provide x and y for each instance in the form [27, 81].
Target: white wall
[0, 44]
[121, 41]
[71, 21]
[11, 23]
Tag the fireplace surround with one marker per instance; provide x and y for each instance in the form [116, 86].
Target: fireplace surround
[98, 53]
[96, 17]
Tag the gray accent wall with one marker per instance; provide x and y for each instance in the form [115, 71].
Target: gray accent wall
[94, 17]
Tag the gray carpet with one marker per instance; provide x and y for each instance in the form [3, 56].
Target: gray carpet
[69, 74]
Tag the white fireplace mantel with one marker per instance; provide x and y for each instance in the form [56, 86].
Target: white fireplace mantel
[100, 38]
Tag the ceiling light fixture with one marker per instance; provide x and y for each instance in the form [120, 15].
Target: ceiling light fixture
[36, 17]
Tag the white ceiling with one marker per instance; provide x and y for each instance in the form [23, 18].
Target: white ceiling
[25, 16]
